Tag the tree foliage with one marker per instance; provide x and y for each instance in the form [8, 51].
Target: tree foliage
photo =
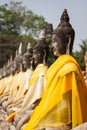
[18, 24]
[17, 20]
[79, 55]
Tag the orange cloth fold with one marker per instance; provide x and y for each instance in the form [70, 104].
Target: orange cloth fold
[11, 116]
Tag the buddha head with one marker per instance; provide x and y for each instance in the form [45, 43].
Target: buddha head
[8, 66]
[13, 67]
[18, 59]
[27, 58]
[63, 36]
[1, 72]
[4, 73]
[40, 50]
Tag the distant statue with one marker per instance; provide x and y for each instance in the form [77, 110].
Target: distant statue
[27, 73]
[19, 58]
[27, 62]
[48, 29]
[41, 55]
[8, 69]
[16, 67]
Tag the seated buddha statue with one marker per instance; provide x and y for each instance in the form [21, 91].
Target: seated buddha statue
[65, 86]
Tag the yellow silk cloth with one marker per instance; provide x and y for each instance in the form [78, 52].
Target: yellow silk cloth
[65, 98]
[24, 81]
[36, 86]
[11, 117]
[3, 83]
[29, 98]
[12, 84]
[41, 69]
[8, 84]
[17, 81]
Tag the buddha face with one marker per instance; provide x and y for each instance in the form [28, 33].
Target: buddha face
[59, 44]
[56, 45]
[13, 67]
[25, 64]
[37, 56]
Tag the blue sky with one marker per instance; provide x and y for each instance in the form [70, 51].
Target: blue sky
[51, 10]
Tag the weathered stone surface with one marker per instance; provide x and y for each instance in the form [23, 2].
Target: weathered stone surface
[12, 127]
[22, 114]
[6, 103]
[3, 99]
[4, 125]
[59, 128]
[81, 127]
[23, 121]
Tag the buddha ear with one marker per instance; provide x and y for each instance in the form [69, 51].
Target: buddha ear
[32, 64]
[68, 45]
[44, 58]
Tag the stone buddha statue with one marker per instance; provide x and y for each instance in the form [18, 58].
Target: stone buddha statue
[16, 67]
[65, 86]
[27, 69]
[18, 59]
[27, 58]
[48, 29]
[40, 50]
[65, 27]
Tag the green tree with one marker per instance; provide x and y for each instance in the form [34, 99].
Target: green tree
[79, 55]
[17, 20]
[18, 24]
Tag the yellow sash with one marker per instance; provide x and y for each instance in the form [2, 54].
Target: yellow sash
[64, 100]
[41, 69]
